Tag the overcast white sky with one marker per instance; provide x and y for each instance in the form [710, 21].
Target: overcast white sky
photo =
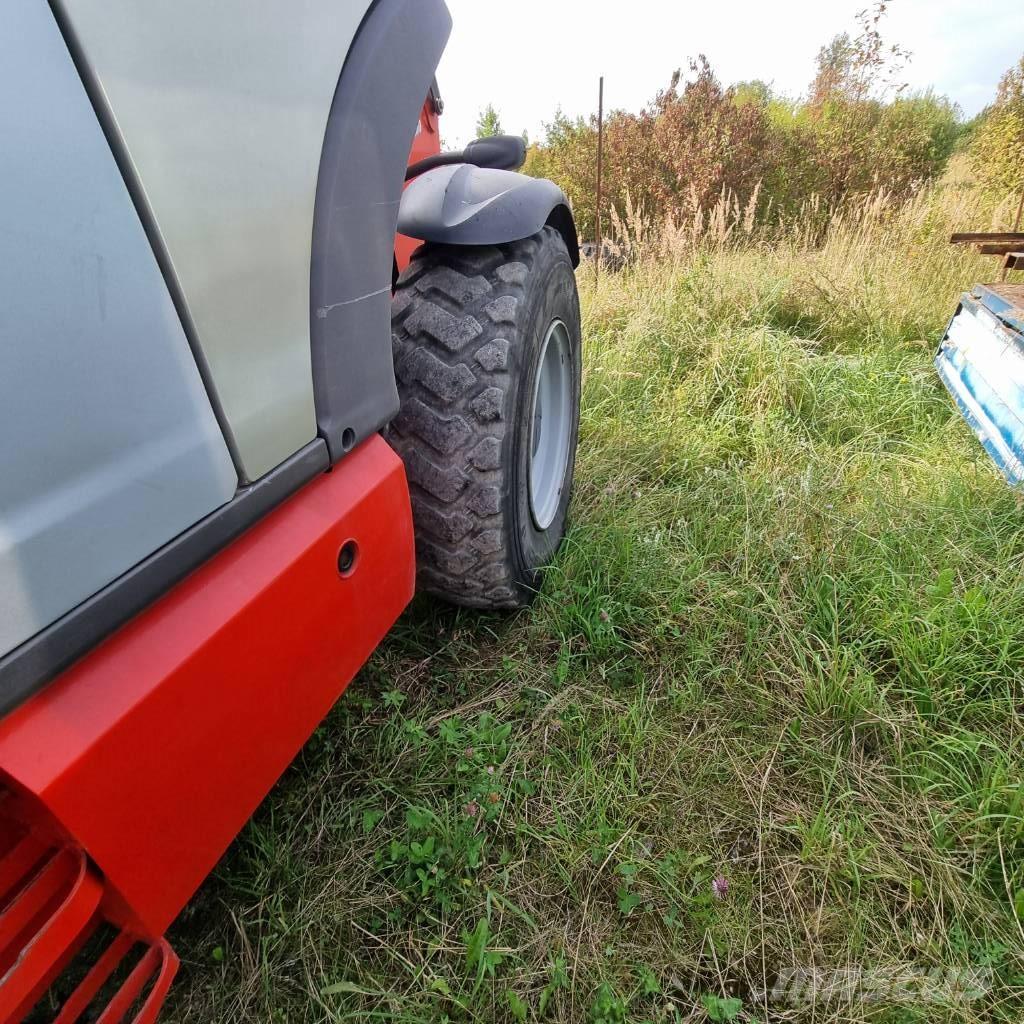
[529, 57]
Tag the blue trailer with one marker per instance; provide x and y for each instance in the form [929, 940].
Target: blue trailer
[981, 362]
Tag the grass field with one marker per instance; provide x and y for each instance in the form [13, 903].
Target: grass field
[783, 649]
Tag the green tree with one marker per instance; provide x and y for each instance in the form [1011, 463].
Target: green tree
[488, 123]
[755, 91]
[836, 74]
[997, 149]
[848, 140]
[854, 69]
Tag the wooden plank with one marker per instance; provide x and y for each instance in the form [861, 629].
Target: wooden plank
[998, 248]
[973, 237]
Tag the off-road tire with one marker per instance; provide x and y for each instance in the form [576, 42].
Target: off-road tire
[468, 326]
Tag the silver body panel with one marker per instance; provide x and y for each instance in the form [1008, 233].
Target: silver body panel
[222, 107]
[110, 447]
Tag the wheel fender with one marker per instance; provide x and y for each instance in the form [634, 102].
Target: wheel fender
[466, 205]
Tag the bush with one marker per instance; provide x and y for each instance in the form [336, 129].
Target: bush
[698, 144]
[677, 155]
[997, 149]
[692, 145]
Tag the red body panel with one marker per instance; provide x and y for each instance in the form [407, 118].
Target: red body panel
[153, 750]
[426, 143]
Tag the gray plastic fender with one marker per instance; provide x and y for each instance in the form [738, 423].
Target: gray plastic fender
[466, 205]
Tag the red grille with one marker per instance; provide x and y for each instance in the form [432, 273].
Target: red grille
[50, 899]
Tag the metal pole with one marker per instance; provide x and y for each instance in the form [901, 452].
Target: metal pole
[600, 159]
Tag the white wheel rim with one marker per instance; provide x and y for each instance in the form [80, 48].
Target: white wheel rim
[550, 425]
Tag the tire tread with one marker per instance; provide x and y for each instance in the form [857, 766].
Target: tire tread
[453, 332]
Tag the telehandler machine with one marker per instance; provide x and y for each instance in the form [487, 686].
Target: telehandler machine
[267, 358]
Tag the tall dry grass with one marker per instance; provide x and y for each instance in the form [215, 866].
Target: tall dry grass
[854, 229]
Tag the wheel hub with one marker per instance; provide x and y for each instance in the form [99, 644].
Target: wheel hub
[550, 425]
